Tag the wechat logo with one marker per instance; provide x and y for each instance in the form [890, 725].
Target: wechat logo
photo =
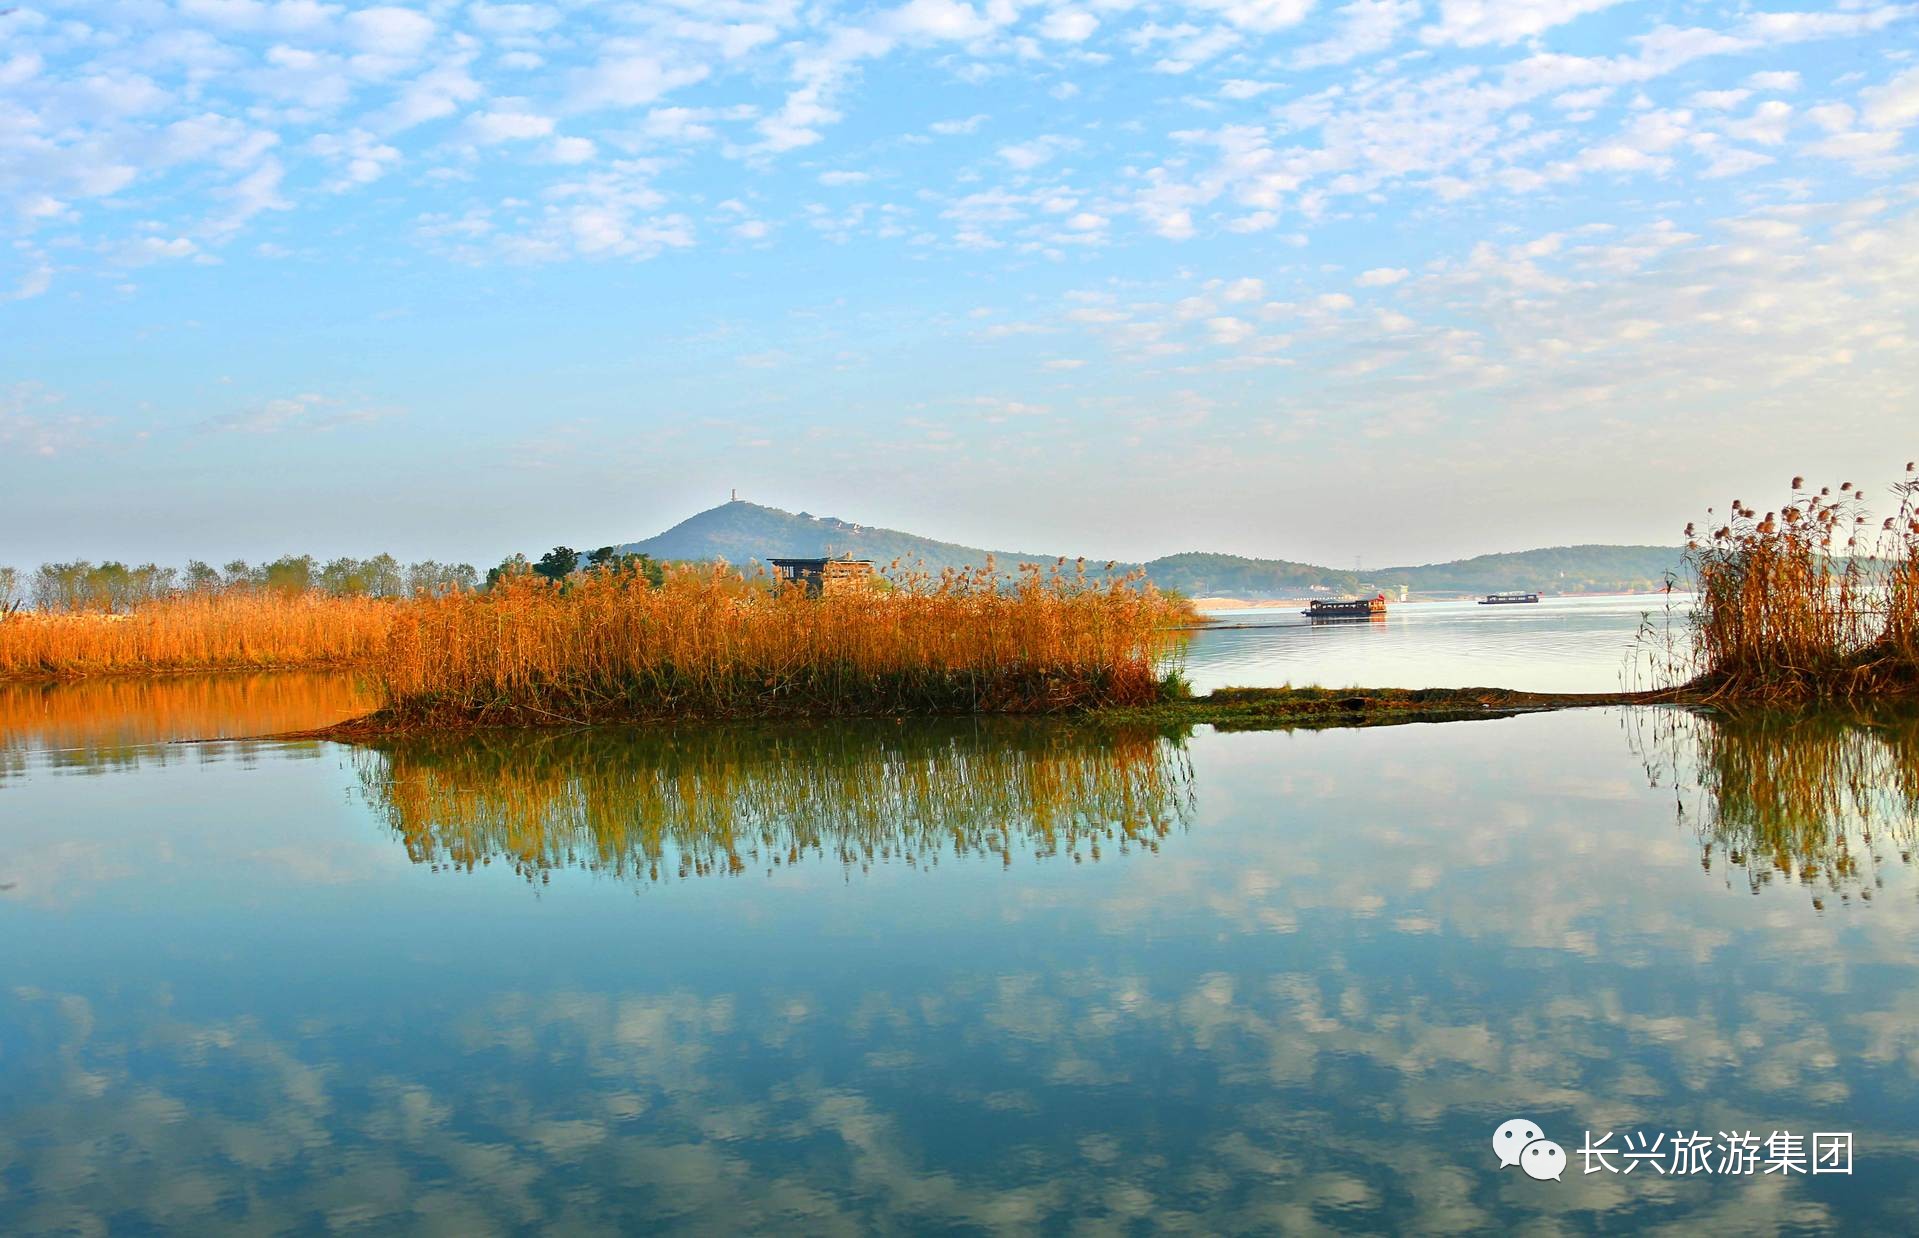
[1519, 1141]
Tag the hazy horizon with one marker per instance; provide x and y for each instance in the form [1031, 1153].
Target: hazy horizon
[490, 557]
[1408, 281]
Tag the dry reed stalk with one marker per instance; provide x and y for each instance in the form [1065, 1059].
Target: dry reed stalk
[710, 642]
[1807, 601]
[234, 630]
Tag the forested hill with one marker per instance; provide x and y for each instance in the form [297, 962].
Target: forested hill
[1556, 569]
[1197, 574]
[740, 532]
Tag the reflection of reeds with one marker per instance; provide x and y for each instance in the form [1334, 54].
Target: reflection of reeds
[645, 805]
[106, 718]
[709, 642]
[234, 630]
[1806, 796]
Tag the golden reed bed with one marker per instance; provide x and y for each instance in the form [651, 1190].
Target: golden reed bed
[708, 643]
[611, 646]
[236, 630]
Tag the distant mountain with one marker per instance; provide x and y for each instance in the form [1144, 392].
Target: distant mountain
[1557, 569]
[1197, 574]
[740, 532]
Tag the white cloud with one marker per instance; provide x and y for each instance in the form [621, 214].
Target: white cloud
[1894, 105]
[149, 249]
[1026, 156]
[1475, 23]
[1774, 80]
[1365, 27]
[34, 283]
[1766, 125]
[1068, 25]
[1723, 160]
[307, 411]
[37, 421]
[1719, 100]
[257, 191]
[632, 80]
[937, 19]
[435, 94]
[513, 19]
[1243, 88]
[1381, 277]
[507, 122]
[571, 150]
[390, 31]
[1259, 16]
[359, 157]
[257, 16]
[1230, 330]
[948, 128]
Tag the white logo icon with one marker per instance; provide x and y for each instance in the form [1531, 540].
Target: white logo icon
[1519, 1141]
[1512, 1136]
[1543, 1159]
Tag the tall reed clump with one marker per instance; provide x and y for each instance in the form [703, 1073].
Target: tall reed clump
[1808, 601]
[232, 630]
[709, 642]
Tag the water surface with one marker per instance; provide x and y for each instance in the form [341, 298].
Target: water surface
[952, 976]
[1560, 644]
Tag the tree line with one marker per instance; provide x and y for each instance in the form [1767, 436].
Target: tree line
[116, 587]
[563, 561]
[119, 587]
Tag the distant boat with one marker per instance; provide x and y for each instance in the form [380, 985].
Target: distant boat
[1358, 608]
[1508, 599]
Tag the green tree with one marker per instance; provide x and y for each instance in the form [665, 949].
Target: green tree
[558, 563]
[13, 590]
[289, 574]
[609, 559]
[436, 579]
[344, 577]
[512, 565]
[385, 577]
[62, 586]
[202, 577]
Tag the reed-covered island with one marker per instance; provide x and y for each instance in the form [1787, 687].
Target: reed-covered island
[1814, 600]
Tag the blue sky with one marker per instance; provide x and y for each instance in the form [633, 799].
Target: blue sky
[1402, 279]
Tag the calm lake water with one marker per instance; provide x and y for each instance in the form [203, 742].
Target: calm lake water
[941, 976]
[1574, 644]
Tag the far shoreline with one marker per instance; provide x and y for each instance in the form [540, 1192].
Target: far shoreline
[1209, 604]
